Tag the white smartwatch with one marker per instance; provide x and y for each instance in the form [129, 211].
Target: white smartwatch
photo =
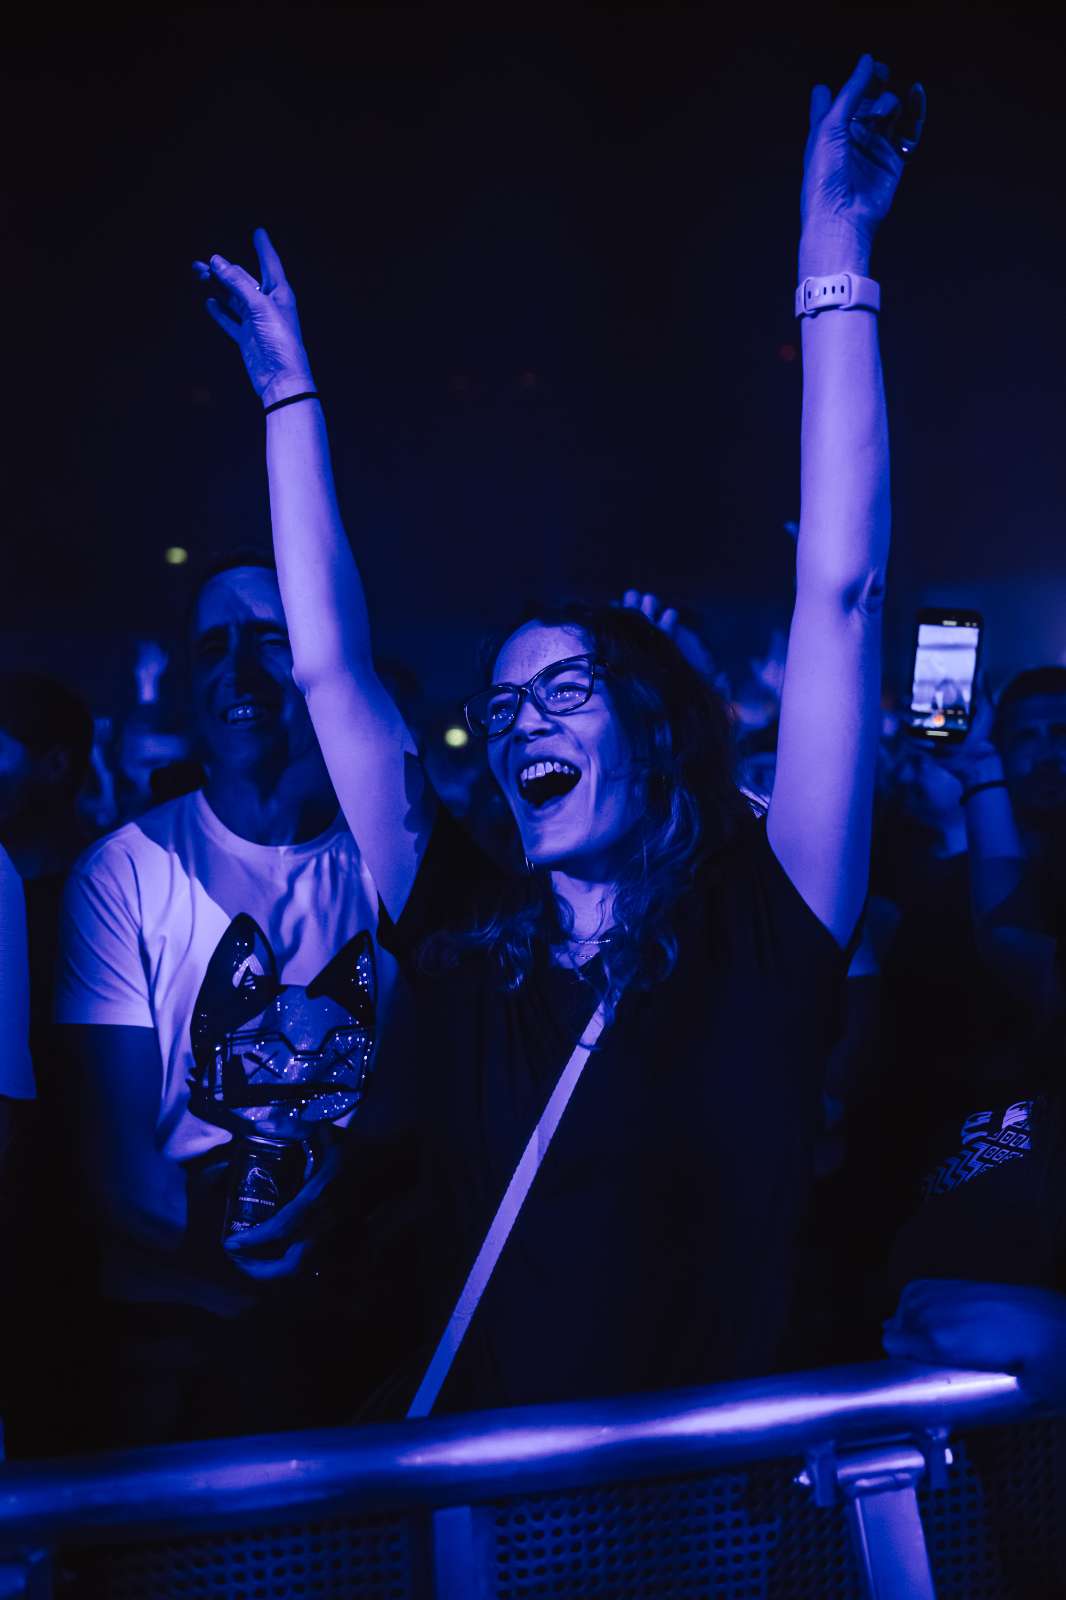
[844, 291]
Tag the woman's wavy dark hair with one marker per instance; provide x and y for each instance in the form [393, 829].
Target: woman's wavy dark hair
[680, 736]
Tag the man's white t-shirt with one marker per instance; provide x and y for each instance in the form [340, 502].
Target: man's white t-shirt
[144, 912]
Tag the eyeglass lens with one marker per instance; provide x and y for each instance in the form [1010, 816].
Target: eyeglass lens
[557, 689]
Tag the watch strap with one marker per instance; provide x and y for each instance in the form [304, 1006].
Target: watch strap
[842, 291]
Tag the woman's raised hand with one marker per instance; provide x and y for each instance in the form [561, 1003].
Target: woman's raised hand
[261, 319]
[856, 150]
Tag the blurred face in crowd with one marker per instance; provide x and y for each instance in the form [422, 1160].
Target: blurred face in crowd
[1031, 736]
[249, 713]
[567, 778]
[29, 780]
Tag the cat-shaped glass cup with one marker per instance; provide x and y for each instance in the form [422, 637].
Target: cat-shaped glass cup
[276, 1063]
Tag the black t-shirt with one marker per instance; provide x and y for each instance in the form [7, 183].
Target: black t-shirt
[656, 1246]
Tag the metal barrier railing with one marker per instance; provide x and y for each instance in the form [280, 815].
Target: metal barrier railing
[867, 1434]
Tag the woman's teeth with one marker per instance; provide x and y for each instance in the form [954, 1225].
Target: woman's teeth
[541, 781]
[540, 769]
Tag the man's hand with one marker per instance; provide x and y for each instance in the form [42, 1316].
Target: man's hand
[853, 161]
[992, 1326]
[294, 1229]
[261, 319]
[974, 759]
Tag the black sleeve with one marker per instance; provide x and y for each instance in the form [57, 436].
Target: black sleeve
[786, 931]
[457, 883]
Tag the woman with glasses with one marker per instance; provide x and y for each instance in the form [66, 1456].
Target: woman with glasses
[654, 1245]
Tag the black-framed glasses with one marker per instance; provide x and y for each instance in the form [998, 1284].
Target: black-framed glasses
[559, 688]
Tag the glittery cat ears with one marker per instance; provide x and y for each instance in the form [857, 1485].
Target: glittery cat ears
[242, 980]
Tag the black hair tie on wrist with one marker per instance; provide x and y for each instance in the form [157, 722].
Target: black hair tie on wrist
[308, 394]
[993, 783]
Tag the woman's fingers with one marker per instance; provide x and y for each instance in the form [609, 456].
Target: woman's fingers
[852, 94]
[226, 322]
[241, 285]
[886, 105]
[271, 271]
[821, 100]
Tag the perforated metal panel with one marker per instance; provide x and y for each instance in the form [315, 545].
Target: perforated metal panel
[998, 1532]
[735, 1536]
[999, 1529]
[366, 1560]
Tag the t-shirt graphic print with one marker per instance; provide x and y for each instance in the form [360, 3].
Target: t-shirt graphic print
[279, 1059]
[147, 908]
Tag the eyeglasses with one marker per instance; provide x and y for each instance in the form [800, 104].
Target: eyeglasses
[558, 689]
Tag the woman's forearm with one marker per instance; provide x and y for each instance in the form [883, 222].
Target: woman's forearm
[329, 628]
[846, 510]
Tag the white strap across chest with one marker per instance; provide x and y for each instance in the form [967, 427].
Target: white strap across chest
[506, 1216]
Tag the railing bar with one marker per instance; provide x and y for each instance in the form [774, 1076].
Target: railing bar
[457, 1460]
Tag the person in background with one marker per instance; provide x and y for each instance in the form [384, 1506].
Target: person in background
[202, 1341]
[1015, 805]
[16, 1067]
[16, 1100]
[46, 734]
[46, 737]
[976, 1278]
[712, 946]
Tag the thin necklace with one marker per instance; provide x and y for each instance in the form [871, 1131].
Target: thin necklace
[609, 940]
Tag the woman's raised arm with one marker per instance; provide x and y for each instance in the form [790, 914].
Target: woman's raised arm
[820, 815]
[368, 748]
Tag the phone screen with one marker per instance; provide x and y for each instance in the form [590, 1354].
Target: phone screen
[945, 664]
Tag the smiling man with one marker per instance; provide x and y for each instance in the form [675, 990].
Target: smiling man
[152, 915]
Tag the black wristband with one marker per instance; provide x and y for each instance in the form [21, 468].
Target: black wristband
[993, 783]
[308, 394]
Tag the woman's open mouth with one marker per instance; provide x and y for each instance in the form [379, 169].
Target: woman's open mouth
[540, 782]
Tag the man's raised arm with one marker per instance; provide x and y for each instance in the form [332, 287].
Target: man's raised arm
[368, 748]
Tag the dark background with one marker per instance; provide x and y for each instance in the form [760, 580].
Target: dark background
[545, 261]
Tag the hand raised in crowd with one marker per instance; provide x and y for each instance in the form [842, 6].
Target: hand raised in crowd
[261, 318]
[855, 153]
[943, 772]
[974, 759]
[668, 619]
[989, 1326]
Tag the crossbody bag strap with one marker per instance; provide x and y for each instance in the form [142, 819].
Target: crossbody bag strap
[506, 1216]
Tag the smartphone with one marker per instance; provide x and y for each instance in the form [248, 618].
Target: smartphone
[946, 649]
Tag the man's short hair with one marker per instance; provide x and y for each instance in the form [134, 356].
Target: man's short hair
[43, 714]
[1031, 684]
[214, 567]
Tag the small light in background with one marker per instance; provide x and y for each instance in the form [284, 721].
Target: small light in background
[456, 738]
[175, 556]
[787, 352]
